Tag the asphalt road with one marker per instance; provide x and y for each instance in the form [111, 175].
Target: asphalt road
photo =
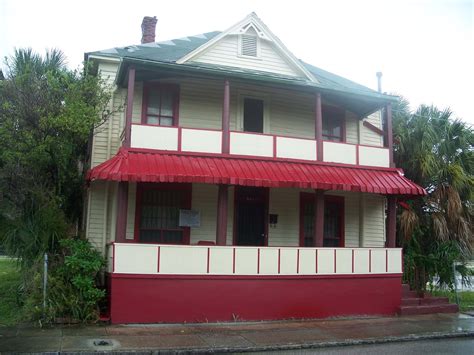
[441, 346]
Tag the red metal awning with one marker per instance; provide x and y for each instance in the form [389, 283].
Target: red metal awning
[139, 166]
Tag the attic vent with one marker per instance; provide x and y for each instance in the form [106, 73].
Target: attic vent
[249, 45]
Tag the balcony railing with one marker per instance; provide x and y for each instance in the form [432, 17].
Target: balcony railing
[181, 139]
[155, 259]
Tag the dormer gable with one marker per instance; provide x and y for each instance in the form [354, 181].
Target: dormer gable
[250, 45]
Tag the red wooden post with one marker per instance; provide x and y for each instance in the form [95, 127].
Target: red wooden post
[221, 227]
[319, 128]
[226, 119]
[122, 205]
[319, 219]
[391, 221]
[129, 112]
[388, 115]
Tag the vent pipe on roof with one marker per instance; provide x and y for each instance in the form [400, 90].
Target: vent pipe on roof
[148, 29]
[379, 80]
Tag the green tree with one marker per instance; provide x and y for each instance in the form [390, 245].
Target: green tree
[435, 151]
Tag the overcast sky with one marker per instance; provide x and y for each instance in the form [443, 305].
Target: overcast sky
[423, 47]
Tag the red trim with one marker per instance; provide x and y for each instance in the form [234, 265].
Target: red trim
[274, 147]
[258, 260]
[146, 186]
[194, 298]
[113, 258]
[298, 261]
[173, 88]
[352, 260]
[373, 128]
[180, 139]
[391, 228]
[208, 259]
[388, 112]
[253, 277]
[279, 260]
[158, 260]
[335, 261]
[316, 261]
[122, 212]
[386, 260]
[357, 155]
[226, 119]
[233, 261]
[370, 260]
[318, 126]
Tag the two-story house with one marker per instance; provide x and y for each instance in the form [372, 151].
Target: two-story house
[240, 182]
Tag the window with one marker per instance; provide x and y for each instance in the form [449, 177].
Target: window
[333, 220]
[253, 115]
[157, 218]
[333, 124]
[160, 105]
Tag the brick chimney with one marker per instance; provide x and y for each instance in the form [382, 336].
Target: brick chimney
[148, 29]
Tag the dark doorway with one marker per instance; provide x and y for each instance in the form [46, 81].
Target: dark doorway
[253, 115]
[333, 220]
[250, 216]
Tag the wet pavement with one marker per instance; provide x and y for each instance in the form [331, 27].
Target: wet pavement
[235, 337]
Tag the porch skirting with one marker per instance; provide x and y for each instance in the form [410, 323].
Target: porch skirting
[144, 298]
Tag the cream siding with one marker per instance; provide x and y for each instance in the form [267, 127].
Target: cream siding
[373, 221]
[352, 128]
[132, 194]
[285, 203]
[369, 137]
[97, 214]
[204, 200]
[226, 53]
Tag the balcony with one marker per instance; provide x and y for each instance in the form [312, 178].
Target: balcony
[206, 141]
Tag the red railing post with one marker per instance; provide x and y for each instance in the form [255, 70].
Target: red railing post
[129, 112]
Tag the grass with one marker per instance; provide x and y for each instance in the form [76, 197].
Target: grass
[10, 310]
[466, 298]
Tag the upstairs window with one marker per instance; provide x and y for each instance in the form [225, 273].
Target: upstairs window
[160, 105]
[333, 125]
[253, 115]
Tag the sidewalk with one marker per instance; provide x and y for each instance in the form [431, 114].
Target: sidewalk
[242, 336]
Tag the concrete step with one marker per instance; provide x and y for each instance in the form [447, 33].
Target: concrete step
[424, 301]
[409, 294]
[405, 287]
[428, 309]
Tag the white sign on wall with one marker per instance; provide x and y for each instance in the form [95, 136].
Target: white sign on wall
[189, 218]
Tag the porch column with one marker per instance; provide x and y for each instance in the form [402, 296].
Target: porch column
[318, 127]
[319, 219]
[122, 205]
[391, 221]
[129, 112]
[221, 226]
[226, 119]
[388, 115]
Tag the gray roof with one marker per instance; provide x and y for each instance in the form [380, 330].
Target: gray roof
[168, 52]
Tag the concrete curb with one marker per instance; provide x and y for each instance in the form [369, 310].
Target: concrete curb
[315, 345]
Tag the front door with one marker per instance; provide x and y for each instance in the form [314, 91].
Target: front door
[333, 220]
[250, 216]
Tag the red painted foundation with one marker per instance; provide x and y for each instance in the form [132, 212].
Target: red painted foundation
[175, 299]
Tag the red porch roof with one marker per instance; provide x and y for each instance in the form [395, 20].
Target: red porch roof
[139, 166]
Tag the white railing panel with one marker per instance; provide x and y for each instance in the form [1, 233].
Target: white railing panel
[179, 260]
[343, 261]
[361, 261]
[268, 261]
[251, 144]
[374, 156]
[307, 261]
[326, 261]
[154, 137]
[202, 141]
[378, 260]
[394, 260]
[288, 261]
[343, 153]
[246, 261]
[294, 148]
[136, 259]
[221, 261]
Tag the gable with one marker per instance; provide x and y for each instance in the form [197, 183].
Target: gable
[249, 44]
[230, 50]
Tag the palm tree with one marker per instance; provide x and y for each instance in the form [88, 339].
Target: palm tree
[437, 152]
